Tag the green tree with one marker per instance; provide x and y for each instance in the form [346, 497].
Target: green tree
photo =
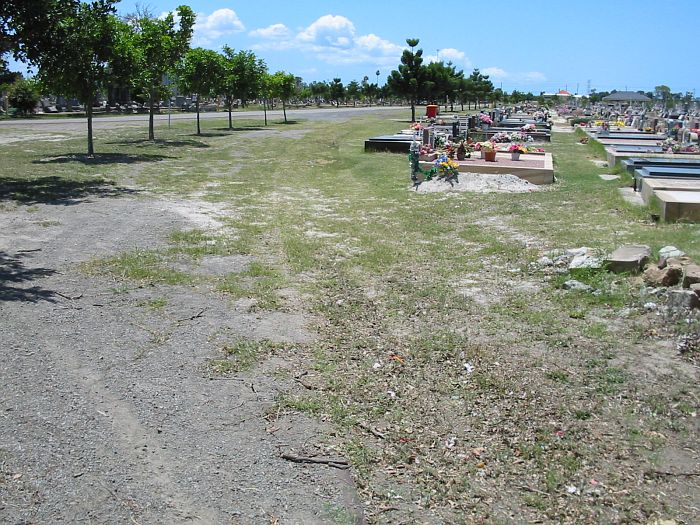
[24, 95]
[76, 60]
[337, 91]
[199, 73]
[158, 46]
[442, 82]
[408, 80]
[320, 91]
[242, 78]
[481, 86]
[353, 91]
[282, 85]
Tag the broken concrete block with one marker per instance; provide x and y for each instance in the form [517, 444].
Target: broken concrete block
[691, 275]
[629, 258]
[668, 276]
[683, 299]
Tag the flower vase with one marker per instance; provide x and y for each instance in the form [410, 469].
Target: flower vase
[483, 154]
[490, 156]
[515, 155]
[461, 156]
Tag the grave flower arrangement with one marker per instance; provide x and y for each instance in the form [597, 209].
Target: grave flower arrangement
[501, 136]
[670, 146]
[485, 119]
[485, 146]
[528, 127]
[517, 148]
[463, 150]
[416, 126]
[446, 168]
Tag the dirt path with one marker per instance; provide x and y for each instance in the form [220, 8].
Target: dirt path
[108, 411]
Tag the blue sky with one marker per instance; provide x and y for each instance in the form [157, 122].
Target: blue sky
[533, 45]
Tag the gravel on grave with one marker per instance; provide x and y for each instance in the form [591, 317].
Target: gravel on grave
[480, 183]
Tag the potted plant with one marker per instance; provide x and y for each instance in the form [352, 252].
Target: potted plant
[488, 151]
[463, 151]
[516, 150]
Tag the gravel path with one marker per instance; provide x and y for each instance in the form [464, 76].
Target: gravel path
[109, 413]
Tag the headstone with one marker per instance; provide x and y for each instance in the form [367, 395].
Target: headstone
[629, 258]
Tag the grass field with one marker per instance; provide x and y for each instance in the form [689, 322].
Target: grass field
[464, 384]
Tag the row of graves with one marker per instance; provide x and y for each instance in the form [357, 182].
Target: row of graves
[498, 142]
[662, 156]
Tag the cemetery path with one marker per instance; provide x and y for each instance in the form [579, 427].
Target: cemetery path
[110, 412]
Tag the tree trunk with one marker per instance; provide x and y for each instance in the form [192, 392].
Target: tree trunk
[230, 122]
[413, 111]
[284, 110]
[151, 96]
[88, 114]
[196, 105]
[265, 109]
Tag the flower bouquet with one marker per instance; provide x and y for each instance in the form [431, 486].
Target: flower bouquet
[516, 150]
[445, 169]
[485, 119]
[528, 128]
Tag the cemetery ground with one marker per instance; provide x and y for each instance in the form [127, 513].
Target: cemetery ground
[182, 321]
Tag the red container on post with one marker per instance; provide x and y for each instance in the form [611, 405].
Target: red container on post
[431, 111]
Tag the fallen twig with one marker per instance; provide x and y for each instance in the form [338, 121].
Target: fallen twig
[195, 316]
[336, 463]
[530, 489]
[72, 298]
[666, 473]
[372, 431]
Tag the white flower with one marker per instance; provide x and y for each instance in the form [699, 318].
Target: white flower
[468, 368]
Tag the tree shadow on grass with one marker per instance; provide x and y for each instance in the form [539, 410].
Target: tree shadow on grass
[210, 134]
[57, 190]
[102, 158]
[13, 270]
[163, 143]
[242, 128]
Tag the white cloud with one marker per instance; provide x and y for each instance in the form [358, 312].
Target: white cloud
[211, 27]
[274, 31]
[328, 30]
[529, 77]
[450, 54]
[333, 39]
[372, 43]
[534, 76]
[495, 72]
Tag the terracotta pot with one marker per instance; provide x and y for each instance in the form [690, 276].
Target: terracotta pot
[490, 156]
